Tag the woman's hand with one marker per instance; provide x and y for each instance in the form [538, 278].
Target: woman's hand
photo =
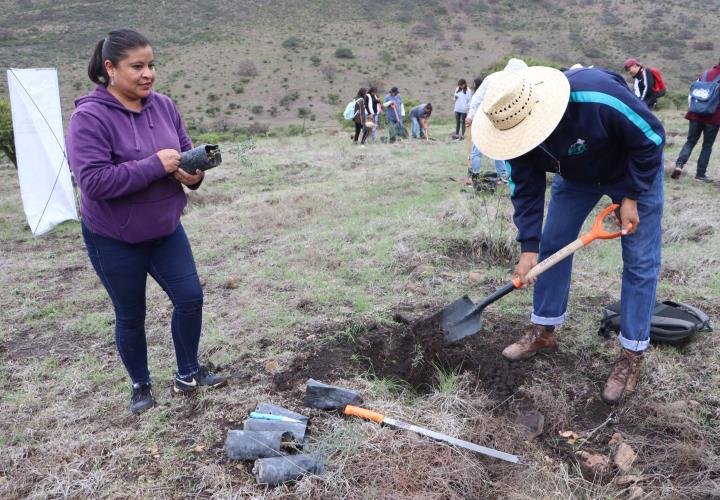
[528, 260]
[170, 159]
[188, 179]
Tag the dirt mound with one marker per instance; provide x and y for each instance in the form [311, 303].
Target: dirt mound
[410, 355]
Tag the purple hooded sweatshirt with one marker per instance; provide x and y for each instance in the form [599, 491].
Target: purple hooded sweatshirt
[125, 192]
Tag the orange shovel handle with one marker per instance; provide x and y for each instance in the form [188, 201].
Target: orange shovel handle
[598, 232]
[363, 413]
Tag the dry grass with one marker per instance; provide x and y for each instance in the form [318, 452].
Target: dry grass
[320, 237]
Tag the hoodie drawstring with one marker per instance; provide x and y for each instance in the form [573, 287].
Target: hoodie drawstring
[134, 131]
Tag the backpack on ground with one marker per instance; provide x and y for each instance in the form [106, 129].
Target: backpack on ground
[704, 96]
[671, 323]
[350, 110]
[659, 88]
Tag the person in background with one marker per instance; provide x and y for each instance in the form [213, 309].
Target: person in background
[462, 105]
[361, 114]
[124, 143]
[643, 80]
[395, 111]
[587, 128]
[419, 116]
[375, 109]
[513, 64]
[708, 126]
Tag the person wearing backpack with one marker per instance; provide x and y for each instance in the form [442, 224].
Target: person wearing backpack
[704, 118]
[648, 83]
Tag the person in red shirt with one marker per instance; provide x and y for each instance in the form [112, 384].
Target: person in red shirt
[708, 126]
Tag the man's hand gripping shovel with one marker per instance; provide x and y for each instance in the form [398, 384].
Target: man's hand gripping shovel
[463, 317]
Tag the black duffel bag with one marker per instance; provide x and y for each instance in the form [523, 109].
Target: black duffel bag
[672, 322]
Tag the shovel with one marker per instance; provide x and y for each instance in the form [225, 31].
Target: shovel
[463, 317]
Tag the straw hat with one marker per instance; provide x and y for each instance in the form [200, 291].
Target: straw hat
[519, 111]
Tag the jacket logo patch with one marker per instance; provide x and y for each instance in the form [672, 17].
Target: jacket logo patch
[578, 148]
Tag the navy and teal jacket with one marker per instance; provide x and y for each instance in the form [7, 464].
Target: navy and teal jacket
[606, 136]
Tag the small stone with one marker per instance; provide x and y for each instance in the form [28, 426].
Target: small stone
[531, 424]
[475, 277]
[615, 439]
[635, 492]
[203, 281]
[595, 462]
[232, 283]
[272, 366]
[624, 457]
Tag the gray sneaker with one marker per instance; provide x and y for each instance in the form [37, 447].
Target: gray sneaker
[141, 398]
[703, 178]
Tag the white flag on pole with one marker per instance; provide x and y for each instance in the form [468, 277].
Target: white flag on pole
[45, 185]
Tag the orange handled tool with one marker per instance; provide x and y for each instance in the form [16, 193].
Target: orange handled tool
[382, 419]
[463, 317]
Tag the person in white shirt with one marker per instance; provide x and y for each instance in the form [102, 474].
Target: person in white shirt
[462, 104]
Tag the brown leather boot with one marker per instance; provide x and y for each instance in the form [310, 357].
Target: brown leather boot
[535, 339]
[623, 377]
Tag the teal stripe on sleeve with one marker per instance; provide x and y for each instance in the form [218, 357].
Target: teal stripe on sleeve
[511, 184]
[617, 104]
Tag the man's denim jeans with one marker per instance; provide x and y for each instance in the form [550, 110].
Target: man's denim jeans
[709, 133]
[476, 161]
[417, 131]
[570, 205]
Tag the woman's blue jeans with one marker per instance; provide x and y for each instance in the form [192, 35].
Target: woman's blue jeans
[416, 130]
[123, 269]
[570, 205]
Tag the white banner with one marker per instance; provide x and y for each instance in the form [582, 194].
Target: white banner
[45, 185]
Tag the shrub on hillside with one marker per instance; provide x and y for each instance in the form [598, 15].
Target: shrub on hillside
[238, 88]
[257, 109]
[333, 98]
[315, 60]
[703, 46]
[247, 68]
[440, 62]
[329, 71]
[412, 48]
[292, 43]
[521, 42]
[344, 53]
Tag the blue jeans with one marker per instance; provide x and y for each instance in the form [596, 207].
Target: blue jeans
[476, 160]
[416, 130]
[570, 204]
[123, 269]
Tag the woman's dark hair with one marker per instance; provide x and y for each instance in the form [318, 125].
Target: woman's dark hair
[477, 82]
[362, 92]
[372, 90]
[113, 47]
[461, 82]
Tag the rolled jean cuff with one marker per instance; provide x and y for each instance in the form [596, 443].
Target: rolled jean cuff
[541, 320]
[634, 345]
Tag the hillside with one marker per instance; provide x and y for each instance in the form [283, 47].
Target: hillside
[310, 250]
[234, 65]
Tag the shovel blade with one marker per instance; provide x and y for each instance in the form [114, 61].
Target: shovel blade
[460, 319]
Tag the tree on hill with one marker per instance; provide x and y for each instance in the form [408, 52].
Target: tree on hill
[7, 140]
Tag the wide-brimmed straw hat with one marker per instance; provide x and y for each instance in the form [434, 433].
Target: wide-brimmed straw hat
[519, 111]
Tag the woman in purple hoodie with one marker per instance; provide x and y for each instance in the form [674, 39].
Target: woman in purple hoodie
[124, 144]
